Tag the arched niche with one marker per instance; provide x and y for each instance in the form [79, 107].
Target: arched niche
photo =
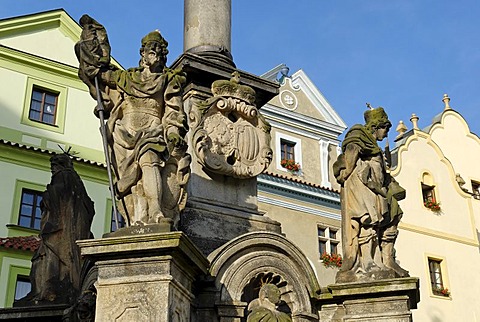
[238, 265]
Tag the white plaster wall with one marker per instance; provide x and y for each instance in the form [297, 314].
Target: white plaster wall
[455, 214]
[461, 277]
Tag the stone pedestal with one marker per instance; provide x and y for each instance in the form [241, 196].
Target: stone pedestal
[50, 313]
[380, 301]
[145, 277]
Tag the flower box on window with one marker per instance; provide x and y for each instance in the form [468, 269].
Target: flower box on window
[432, 205]
[442, 291]
[290, 165]
[331, 260]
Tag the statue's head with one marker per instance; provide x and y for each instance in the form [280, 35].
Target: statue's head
[154, 51]
[270, 292]
[60, 161]
[377, 122]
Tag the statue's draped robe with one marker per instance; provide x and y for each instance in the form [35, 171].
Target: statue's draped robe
[67, 214]
[361, 206]
[131, 142]
[260, 313]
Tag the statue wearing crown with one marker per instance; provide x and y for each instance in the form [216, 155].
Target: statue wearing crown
[232, 138]
[369, 198]
[145, 124]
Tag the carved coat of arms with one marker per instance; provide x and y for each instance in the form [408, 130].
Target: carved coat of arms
[232, 138]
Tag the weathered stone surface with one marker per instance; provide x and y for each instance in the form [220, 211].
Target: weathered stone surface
[232, 138]
[207, 29]
[37, 313]
[219, 207]
[379, 301]
[209, 226]
[369, 197]
[146, 124]
[67, 214]
[241, 266]
[264, 308]
[145, 277]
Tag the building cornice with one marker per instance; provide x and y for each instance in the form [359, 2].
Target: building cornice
[298, 189]
[301, 124]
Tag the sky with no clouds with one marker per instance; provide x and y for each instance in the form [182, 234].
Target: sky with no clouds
[399, 54]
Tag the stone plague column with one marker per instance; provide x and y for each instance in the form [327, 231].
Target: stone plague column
[220, 206]
[207, 28]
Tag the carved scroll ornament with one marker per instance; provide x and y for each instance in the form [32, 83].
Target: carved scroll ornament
[232, 138]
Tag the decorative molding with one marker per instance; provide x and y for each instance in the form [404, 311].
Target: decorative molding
[301, 79]
[300, 124]
[324, 163]
[297, 207]
[296, 190]
[439, 234]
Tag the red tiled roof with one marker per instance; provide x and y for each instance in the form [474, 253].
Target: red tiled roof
[298, 180]
[28, 243]
[32, 148]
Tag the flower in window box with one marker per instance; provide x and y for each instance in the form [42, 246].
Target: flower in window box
[432, 205]
[331, 260]
[442, 291]
[290, 165]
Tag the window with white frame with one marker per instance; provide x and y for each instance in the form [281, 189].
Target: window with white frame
[328, 240]
[288, 148]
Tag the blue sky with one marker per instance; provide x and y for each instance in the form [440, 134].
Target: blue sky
[399, 54]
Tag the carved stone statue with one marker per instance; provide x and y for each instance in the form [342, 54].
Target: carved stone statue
[232, 138]
[146, 124]
[369, 195]
[264, 309]
[67, 214]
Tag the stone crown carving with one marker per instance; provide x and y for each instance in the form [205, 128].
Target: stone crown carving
[232, 88]
[232, 137]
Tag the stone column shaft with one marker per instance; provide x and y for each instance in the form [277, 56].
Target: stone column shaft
[207, 25]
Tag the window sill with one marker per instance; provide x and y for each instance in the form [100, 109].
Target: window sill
[17, 230]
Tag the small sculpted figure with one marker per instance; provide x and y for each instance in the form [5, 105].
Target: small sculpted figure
[67, 214]
[369, 195]
[146, 124]
[264, 309]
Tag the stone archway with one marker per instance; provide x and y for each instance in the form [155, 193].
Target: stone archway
[244, 260]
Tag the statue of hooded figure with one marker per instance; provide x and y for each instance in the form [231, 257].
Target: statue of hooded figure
[369, 197]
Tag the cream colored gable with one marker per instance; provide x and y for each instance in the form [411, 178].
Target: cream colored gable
[419, 155]
[458, 144]
[50, 35]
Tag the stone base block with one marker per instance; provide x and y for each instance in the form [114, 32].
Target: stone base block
[50, 313]
[145, 277]
[210, 226]
[388, 300]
